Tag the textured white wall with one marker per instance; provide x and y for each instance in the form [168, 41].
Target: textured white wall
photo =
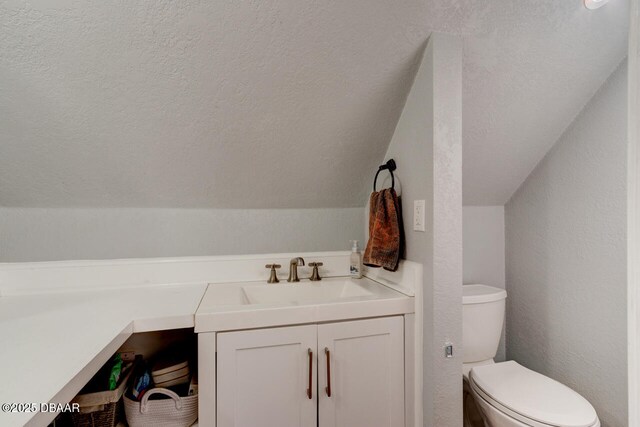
[30, 234]
[447, 229]
[566, 258]
[427, 148]
[483, 245]
[483, 250]
[412, 149]
[633, 219]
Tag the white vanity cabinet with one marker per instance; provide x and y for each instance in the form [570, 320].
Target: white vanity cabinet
[343, 374]
[363, 363]
[263, 376]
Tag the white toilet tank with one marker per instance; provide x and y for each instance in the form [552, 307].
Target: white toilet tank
[482, 319]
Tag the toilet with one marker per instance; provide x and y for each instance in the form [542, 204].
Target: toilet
[507, 394]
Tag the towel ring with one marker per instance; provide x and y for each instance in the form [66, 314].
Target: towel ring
[390, 166]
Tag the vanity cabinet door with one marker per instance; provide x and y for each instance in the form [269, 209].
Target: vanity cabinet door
[263, 377]
[361, 373]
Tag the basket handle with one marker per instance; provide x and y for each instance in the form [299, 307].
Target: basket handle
[147, 395]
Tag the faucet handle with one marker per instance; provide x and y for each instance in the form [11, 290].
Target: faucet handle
[315, 275]
[273, 278]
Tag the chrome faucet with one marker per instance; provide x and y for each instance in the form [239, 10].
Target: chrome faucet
[293, 269]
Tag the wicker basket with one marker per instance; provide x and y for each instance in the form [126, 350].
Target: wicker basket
[102, 409]
[175, 412]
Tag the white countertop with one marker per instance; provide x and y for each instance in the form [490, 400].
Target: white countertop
[66, 336]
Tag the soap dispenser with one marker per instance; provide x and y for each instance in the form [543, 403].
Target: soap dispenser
[355, 268]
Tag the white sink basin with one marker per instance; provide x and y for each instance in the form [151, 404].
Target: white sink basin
[233, 306]
[306, 292]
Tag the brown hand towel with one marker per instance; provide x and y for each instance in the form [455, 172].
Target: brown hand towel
[383, 247]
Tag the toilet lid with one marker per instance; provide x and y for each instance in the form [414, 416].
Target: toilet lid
[532, 395]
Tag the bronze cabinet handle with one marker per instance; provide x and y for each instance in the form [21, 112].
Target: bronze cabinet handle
[309, 393]
[328, 387]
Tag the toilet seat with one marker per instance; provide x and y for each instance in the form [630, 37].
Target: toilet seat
[531, 398]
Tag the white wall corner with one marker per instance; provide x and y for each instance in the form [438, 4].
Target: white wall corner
[633, 215]
[447, 226]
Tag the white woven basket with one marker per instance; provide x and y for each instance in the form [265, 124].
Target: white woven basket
[177, 412]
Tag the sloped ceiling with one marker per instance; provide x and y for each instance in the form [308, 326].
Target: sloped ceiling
[275, 103]
[529, 68]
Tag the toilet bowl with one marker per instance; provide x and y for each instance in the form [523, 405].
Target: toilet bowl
[507, 394]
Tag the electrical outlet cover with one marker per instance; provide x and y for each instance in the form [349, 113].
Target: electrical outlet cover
[418, 215]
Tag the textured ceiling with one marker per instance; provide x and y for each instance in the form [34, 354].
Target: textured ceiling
[269, 103]
[529, 68]
[261, 103]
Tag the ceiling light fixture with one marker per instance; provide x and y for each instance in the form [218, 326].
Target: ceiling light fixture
[594, 4]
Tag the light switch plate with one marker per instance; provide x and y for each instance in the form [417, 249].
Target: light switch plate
[418, 215]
